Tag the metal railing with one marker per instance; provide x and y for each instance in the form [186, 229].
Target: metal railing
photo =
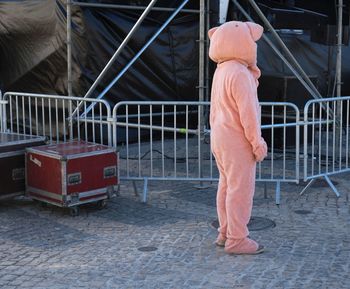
[3, 126]
[171, 141]
[50, 115]
[162, 141]
[280, 126]
[3, 117]
[326, 139]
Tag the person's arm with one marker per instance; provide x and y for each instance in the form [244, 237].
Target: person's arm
[247, 103]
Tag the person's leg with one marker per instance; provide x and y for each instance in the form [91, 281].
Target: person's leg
[240, 173]
[221, 210]
[221, 203]
[239, 199]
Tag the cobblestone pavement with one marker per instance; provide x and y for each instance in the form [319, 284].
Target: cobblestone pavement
[44, 247]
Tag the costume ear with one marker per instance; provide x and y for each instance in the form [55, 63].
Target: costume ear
[256, 30]
[211, 31]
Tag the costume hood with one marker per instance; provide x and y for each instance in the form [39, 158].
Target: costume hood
[235, 40]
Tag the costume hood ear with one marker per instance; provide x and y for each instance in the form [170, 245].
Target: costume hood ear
[211, 31]
[256, 30]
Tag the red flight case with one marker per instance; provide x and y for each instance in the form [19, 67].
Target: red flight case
[12, 171]
[73, 173]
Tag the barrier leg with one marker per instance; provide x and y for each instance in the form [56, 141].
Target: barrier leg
[201, 186]
[306, 187]
[332, 186]
[135, 189]
[145, 188]
[117, 191]
[278, 193]
[265, 190]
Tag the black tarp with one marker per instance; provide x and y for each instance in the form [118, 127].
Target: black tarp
[34, 56]
[33, 50]
[317, 60]
[32, 47]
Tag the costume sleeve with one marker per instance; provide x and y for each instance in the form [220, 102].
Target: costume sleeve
[244, 93]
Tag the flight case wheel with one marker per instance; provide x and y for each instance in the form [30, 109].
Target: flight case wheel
[101, 204]
[74, 211]
[40, 204]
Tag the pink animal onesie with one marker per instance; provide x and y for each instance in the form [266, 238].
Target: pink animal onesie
[236, 140]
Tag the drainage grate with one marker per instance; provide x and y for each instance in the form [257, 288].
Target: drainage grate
[302, 212]
[147, 249]
[255, 224]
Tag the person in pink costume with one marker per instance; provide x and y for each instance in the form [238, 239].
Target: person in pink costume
[236, 140]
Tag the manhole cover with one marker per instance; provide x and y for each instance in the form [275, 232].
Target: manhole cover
[147, 249]
[259, 223]
[302, 212]
[255, 224]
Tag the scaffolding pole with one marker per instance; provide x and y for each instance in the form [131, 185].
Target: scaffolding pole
[276, 50]
[121, 47]
[201, 85]
[149, 42]
[339, 47]
[69, 48]
[315, 93]
[207, 26]
[338, 131]
[130, 7]
[116, 54]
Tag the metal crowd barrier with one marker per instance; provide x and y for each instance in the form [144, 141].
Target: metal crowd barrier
[162, 141]
[3, 117]
[168, 141]
[50, 115]
[280, 126]
[326, 139]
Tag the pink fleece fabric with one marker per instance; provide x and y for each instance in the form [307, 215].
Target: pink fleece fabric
[236, 139]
